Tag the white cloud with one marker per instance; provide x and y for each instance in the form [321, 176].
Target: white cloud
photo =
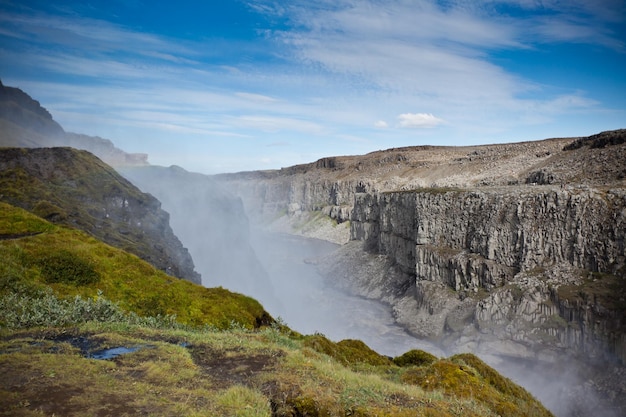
[381, 124]
[418, 120]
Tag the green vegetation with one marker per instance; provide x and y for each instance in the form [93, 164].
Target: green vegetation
[415, 358]
[598, 288]
[69, 268]
[346, 352]
[65, 296]
[72, 263]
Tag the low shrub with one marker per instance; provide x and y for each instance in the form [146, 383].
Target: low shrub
[22, 310]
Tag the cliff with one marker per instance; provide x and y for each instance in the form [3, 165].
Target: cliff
[74, 188]
[546, 263]
[512, 251]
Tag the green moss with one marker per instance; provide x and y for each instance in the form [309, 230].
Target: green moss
[68, 267]
[15, 223]
[466, 376]
[347, 352]
[415, 357]
[306, 406]
[49, 211]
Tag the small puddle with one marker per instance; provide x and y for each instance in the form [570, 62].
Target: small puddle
[113, 352]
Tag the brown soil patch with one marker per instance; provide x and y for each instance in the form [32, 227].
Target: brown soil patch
[229, 367]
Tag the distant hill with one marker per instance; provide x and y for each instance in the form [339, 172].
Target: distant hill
[25, 123]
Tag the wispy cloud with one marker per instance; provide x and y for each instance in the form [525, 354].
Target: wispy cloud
[277, 124]
[341, 75]
[256, 97]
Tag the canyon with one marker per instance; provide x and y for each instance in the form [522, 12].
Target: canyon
[512, 251]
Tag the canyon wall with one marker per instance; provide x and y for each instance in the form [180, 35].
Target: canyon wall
[537, 268]
[513, 248]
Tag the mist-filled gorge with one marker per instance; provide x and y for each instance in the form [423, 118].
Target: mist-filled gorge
[282, 270]
[514, 253]
[309, 304]
[303, 209]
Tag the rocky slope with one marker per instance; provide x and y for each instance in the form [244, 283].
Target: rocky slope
[74, 188]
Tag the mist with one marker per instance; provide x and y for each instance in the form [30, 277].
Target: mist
[310, 305]
[280, 271]
[566, 385]
[211, 223]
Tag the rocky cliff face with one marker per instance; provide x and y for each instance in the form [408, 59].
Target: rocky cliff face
[527, 261]
[73, 187]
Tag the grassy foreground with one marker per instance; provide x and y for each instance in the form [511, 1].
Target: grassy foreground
[65, 296]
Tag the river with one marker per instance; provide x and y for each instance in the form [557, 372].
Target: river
[308, 305]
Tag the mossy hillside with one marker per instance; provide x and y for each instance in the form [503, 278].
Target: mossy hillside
[415, 357]
[219, 373]
[466, 376]
[41, 255]
[74, 188]
[346, 352]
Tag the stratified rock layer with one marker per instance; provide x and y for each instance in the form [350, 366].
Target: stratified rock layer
[533, 265]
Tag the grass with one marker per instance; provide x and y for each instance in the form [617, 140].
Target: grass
[199, 351]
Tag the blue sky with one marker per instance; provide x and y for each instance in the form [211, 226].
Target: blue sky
[233, 85]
